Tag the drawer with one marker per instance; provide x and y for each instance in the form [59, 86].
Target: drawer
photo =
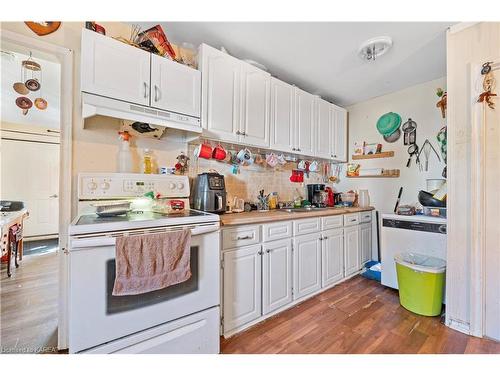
[306, 226]
[365, 217]
[276, 231]
[351, 219]
[331, 222]
[240, 236]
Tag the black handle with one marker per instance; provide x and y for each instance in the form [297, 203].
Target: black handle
[408, 163]
[399, 197]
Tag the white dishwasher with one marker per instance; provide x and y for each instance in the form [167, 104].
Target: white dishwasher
[418, 234]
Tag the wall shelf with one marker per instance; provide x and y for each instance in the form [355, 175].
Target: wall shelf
[386, 154]
[394, 174]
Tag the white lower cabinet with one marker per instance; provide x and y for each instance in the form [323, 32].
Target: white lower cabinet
[365, 243]
[306, 264]
[242, 286]
[276, 275]
[351, 250]
[332, 256]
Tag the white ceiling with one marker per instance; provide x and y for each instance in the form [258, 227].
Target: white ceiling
[321, 57]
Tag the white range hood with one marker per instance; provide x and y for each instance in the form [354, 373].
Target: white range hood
[93, 105]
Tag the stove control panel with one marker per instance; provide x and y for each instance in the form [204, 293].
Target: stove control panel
[129, 185]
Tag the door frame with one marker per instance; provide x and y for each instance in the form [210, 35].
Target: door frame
[65, 57]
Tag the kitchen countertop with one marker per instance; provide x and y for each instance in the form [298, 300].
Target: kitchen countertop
[256, 217]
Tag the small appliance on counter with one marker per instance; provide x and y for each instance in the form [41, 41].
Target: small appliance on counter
[209, 193]
[316, 195]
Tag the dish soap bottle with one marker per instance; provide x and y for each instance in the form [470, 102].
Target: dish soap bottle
[124, 155]
[148, 161]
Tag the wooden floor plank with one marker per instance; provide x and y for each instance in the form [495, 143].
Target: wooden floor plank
[357, 316]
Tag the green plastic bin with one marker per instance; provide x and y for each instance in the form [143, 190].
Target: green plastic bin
[421, 283]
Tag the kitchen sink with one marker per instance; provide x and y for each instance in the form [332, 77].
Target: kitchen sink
[303, 209]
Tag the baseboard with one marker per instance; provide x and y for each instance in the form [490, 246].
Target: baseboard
[458, 325]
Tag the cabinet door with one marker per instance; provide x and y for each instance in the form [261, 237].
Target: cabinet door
[324, 125]
[277, 275]
[175, 87]
[242, 286]
[366, 243]
[114, 69]
[255, 106]
[332, 251]
[351, 250]
[282, 115]
[220, 94]
[306, 264]
[304, 122]
[339, 133]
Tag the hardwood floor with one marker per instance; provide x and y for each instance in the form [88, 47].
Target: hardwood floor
[29, 301]
[357, 316]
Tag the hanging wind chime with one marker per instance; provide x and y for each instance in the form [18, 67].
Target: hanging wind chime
[31, 81]
[488, 85]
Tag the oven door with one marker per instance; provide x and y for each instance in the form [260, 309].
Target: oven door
[97, 317]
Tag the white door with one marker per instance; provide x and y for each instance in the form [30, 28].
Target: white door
[351, 250]
[242, 286]
[30, 173]
[220, 95]
[366, 243]
[339, 133]
[304, 122]
[282, 115]
[324, 129]
[175, 87]
[276, 275]
[306, 264]
[332, 249]
[114, 69]
[255, 106]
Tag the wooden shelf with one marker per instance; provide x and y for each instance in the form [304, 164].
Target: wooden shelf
[386, 154]
[375, 176]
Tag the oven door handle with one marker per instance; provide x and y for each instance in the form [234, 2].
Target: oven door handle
[100, 241]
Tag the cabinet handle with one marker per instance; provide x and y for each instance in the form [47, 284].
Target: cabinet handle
[268, 251]
[260, 252]
[298, 149]
[238, 132]
[157, 93]
[294, 149]
[243, 133]
[325, 238]
[244, 238]
[321, 238]
[145, 90]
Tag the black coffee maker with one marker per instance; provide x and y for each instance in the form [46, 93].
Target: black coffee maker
[315, 194]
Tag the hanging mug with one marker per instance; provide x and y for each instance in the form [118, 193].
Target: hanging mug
[203, 150]
[313, 167]
[272, 160]
[219, 153]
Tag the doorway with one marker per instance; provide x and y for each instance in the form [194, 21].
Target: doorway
[35, 188]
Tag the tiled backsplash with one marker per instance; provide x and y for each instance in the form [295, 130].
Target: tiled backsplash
[247, 183]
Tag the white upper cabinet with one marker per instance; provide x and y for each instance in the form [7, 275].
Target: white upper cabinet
[113, 69]
[324, 128]
[254, 126]
[304, 122]
[339, 140]
[282, 115]
[175, 87]
[220, 94]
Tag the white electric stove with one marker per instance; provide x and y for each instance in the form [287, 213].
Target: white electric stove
[183, 318]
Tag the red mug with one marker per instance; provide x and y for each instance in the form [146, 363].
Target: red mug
[203, 151]
[219, 153]
[297, 176]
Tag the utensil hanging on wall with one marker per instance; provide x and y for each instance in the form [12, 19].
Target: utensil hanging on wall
[410, 132]
[412, 150]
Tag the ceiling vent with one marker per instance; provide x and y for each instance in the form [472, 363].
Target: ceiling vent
[375, 47]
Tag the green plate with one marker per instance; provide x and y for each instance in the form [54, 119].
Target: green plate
[388, 123]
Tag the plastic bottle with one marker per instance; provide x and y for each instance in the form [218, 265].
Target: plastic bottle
[124, 155]
[148, 161]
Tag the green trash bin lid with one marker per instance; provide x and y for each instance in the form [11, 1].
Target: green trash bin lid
[420, 262]
[388, 123]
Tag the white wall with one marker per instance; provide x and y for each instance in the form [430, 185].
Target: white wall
[416, 102]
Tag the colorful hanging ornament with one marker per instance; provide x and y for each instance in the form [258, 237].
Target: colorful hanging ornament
[488, 85]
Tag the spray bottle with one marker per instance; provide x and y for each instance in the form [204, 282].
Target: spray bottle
[124, 154]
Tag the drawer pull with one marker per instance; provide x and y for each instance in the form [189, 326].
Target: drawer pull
[245, 238]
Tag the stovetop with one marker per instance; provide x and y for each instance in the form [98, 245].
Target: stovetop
[137, 216]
